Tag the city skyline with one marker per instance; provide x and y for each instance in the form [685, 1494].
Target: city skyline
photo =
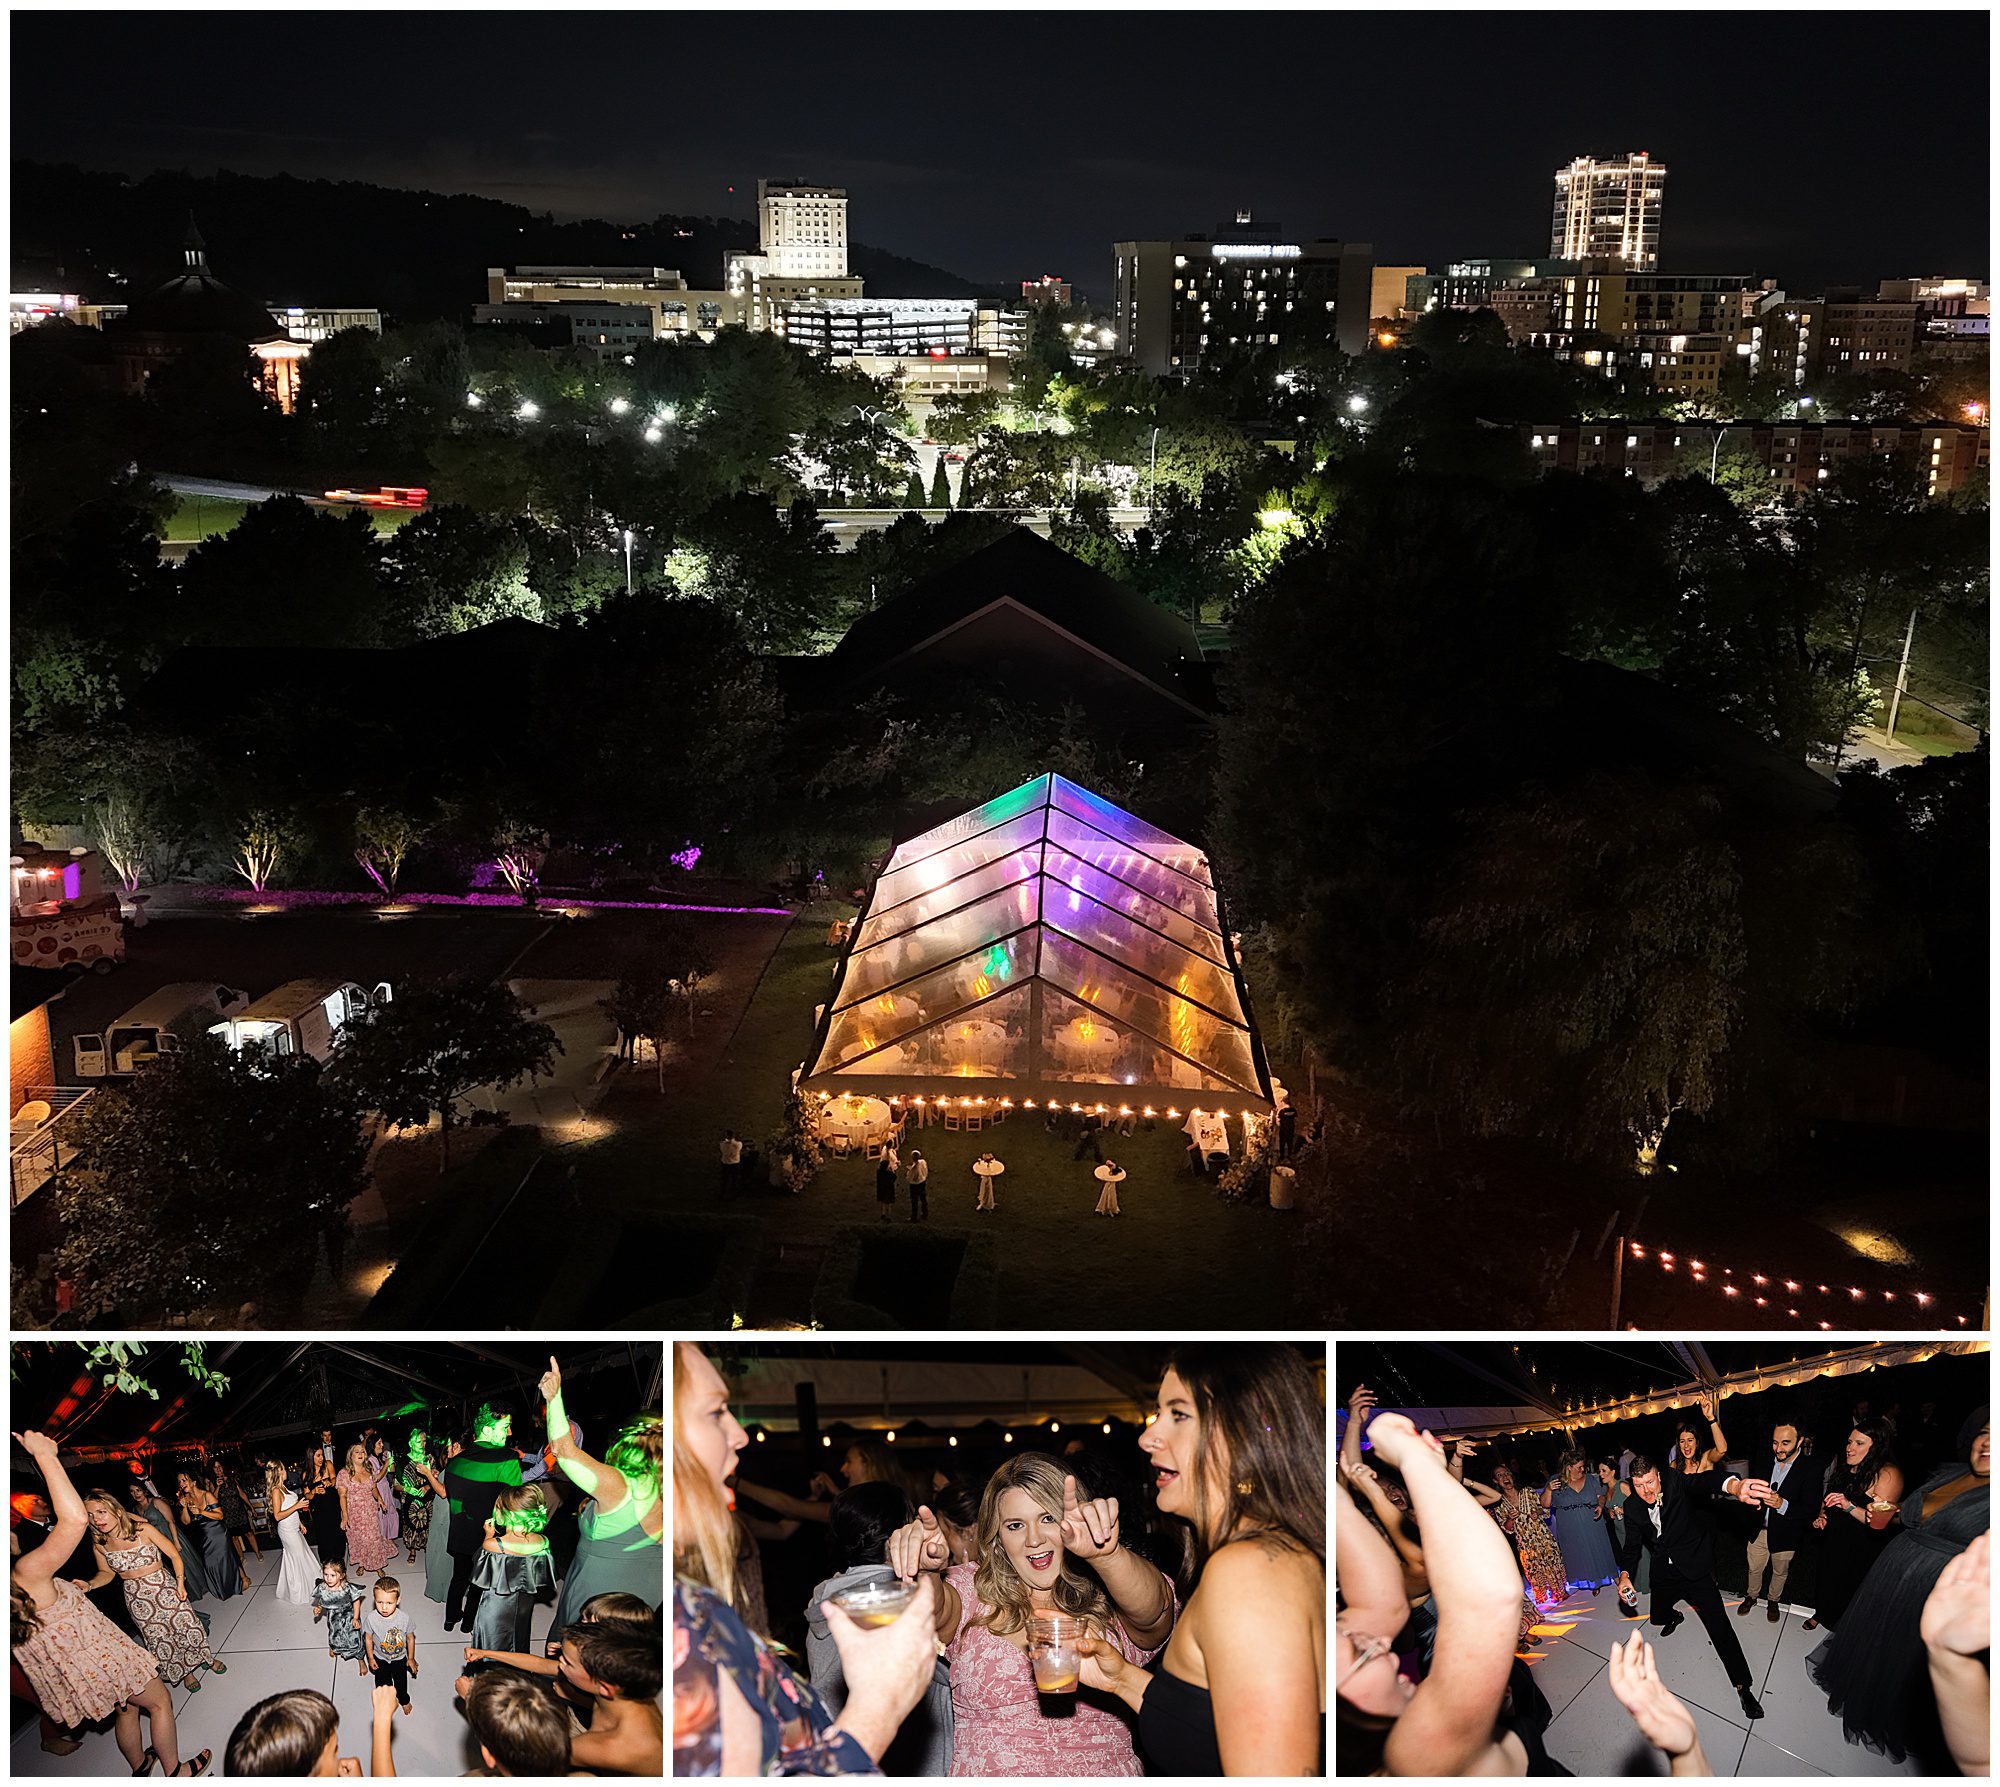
[998, 180]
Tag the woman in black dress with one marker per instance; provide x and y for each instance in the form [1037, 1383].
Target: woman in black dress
[1239, 1450]
[329, 1537]
[1873, 1670]
[1867, 1473]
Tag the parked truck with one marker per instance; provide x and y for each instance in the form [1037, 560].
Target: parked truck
[303, 1017]
[146, 1032]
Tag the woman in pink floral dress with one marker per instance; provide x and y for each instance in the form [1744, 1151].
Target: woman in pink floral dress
[80, 1665]
[361, 1514]
[1042, 1550]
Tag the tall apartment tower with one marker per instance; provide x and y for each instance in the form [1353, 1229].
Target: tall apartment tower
[803, 229]
[1609, 210]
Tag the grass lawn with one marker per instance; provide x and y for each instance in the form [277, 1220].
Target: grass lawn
[203, 517]
[1179, 1257]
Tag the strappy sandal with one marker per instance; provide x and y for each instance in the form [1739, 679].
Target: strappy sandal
[219, 1667]
[145, 1762]
[196, 1765]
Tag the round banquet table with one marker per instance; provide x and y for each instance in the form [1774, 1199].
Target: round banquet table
[1088, 1043]
[860, 1120]
[972, 1042]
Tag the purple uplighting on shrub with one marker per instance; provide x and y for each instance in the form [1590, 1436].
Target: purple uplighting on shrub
[309, 896]
[686, 859]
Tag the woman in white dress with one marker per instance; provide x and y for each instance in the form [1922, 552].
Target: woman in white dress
[298, 1574]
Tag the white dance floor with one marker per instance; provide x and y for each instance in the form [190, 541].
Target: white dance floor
[270, 1647]
[1591, 1734]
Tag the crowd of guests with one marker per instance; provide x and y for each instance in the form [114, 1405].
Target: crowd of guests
[105, 1585]
[1442, 1578]
[1193, 1609]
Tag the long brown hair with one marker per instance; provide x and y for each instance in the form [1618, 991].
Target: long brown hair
[704, 1534]
[1260, 1400]
[995, 1581]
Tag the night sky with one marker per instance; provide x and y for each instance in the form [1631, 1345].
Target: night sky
[1808, 146]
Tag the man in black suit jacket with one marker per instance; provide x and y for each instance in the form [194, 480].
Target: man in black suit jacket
[473, 1480]
[1675, 1520]
[1796, 1481]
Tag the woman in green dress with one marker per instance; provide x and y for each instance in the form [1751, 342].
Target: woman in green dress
[619, 1528]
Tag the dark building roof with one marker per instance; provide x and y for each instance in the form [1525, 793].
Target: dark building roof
[1039, 588]
[29, 989]
[197, 303]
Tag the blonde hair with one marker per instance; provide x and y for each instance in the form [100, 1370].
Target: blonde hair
[274, 1484]
[357, 1450]
[997, 1584]
[124, 1523]
[704, 1534]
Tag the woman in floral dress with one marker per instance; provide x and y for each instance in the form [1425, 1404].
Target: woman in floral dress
[155, 1590]
[81, 1667]
[1519, 1512]
[361, 1514]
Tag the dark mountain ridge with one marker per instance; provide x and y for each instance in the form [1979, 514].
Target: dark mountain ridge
[414, 255]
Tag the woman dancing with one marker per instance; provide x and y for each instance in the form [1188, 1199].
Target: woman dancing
[157, 1595]
[1519, 1513]
[299, 1566]
[158, 1512]
[416, 1490]
[361, 1514]
[1034, 1533]
[437, 1514]
[1239, 1454]
[738, 1708]
[1689, 1454]
[619, 1528]
[1873, 1670]
[1576, 1502]
[80, 1665]
[1867, 1474]
[201, 1513]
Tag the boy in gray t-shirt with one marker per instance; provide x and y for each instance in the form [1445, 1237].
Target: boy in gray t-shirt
[386, 1636]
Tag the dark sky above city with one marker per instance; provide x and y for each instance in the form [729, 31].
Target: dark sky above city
[1806, 145]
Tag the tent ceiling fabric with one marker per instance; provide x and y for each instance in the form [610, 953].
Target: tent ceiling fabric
[1047, 942]
[1676, 1390]
[279, 1387]
[885, 1393]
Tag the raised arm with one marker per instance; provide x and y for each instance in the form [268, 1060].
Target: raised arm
[1143, 1597]
[920, 1549]
[592, 1475]
[792, 1507]
[36, 1569]
[1358, 1406]
[1449, 1726]
[1402, 1534]
[1720, 1446]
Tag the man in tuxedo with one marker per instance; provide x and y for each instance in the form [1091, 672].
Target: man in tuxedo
[1675, 1520]
[1786, 1516]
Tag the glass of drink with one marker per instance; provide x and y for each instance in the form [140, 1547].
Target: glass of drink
[871, 1604]
[1880, 1514]
[1052, 1641]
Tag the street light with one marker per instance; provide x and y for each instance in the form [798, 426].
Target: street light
[1715, 457]
[1357, 404]
[628, 561]
[653, 433]
[619, 406]
[528, 411]
[1153, 475]
[473, 399]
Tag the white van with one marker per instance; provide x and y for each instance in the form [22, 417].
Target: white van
[303, 1017]
[146, 1032]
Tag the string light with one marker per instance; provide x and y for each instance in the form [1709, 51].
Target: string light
[1699, 1271]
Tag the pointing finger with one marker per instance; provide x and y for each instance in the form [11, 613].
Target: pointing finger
[928, 1519]
[1069, 1495]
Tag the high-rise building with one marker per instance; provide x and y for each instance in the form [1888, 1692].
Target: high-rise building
[1182, 302]
[803, 229]
[1609, 210]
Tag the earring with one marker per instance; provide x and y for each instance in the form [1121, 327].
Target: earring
[1244, 1486]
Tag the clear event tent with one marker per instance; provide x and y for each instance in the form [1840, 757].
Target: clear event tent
[1046, 945]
